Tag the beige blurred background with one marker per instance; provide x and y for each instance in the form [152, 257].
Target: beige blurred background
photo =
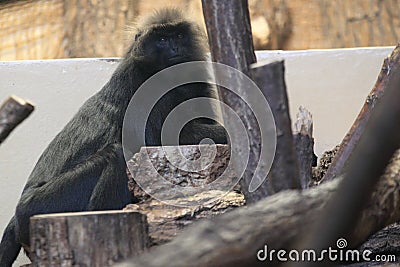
[48, 29]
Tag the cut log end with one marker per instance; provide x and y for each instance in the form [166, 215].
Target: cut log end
[12, 112]
[69, 239]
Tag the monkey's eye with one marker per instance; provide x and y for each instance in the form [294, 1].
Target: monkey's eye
[162, 39]
[180, 35]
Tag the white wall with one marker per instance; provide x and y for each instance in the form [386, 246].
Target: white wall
[332, 84]
[57, 88]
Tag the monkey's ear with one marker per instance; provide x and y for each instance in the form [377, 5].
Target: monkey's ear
[137, 36]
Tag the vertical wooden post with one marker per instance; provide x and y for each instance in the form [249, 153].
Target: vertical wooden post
[284, 173]
[229, 33]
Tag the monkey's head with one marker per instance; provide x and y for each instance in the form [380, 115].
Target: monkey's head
[167, 38]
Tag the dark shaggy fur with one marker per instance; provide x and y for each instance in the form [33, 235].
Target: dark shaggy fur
[83, 168]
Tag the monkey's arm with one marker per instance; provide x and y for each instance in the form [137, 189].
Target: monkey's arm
[78, 189]
[9, 247]
[194, 132]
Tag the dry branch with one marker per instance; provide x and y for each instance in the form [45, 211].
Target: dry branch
[12, 112]
[87, 238]
[391, 67]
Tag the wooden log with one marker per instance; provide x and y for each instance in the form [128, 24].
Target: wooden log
[12, 112]
[284, 173]
[162, 174]
[167, 221]
[234, 238]
[304, 143]
[379, 206]
[227, 21]
[391, 67]
[384, 242]
[205, 192]
[99, 238]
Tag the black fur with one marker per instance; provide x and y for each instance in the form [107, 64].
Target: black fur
[83, 168]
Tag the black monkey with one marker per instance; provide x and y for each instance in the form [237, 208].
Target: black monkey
[83, 168]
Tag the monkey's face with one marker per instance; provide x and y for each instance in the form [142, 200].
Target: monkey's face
[168, 44]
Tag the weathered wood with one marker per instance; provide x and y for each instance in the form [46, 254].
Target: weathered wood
[284, 173]
[324, 162]
[376, 145]
[99, 238]
[163, 174]
[305, 24]
[31, 29]
[167, 221]
[12, 112]
[90, 25]
[227, 21]
[385, 241]
[39, 29]
[391, 67]
[383, 204]
[341, 23]
[233, 239]
[304, 143]
[271, 23]
[64, 28]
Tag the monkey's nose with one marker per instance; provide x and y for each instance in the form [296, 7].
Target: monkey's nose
[173, 47]
[174, 50]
